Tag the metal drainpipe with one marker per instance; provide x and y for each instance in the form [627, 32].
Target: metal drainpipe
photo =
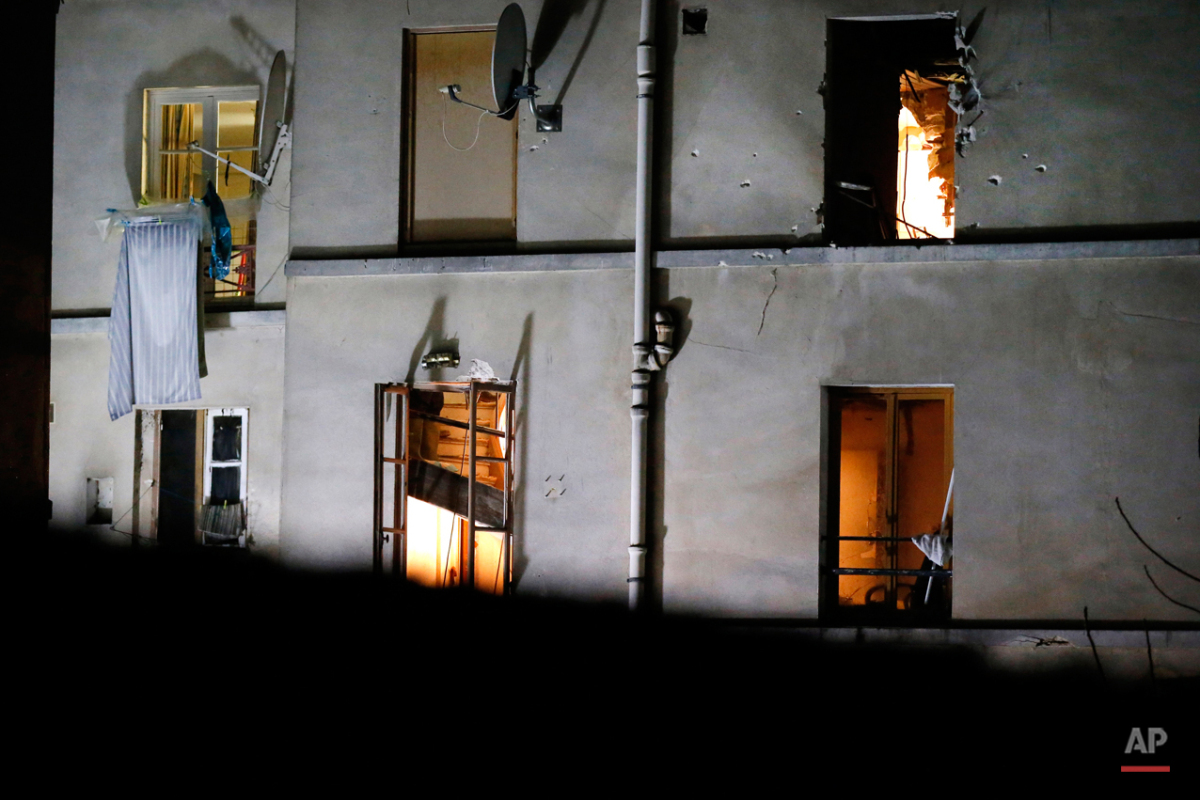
[642, 374]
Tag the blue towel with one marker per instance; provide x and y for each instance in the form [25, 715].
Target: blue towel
[222, 235]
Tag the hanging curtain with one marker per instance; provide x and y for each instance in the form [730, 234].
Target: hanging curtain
[152, 332]
[181, 125]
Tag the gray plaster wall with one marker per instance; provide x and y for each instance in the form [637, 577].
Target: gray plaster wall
[1090, 89]
[1076, 381]
[106, 53]
[245, 370]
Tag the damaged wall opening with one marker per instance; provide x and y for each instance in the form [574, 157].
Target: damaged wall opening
[889, 128]
[443, 506]
[886, 547]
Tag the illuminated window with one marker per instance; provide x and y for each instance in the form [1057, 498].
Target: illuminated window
[890, 128]
[221, 120]
[430, 482]
[887, 543]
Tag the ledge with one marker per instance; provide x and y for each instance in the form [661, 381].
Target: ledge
[940, 253]
[213, 321]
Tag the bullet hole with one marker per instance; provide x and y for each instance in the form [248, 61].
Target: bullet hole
[745, 184]
[995, 180]
[799, 112]
[695, 21]
[1024, 155]
[755, 155]
[1040, 168]
[695, 154]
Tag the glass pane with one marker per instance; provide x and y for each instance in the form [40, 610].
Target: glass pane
[235, 128]
[235, 123]
[180, 174]
[489, 562]
[862, 501]
[434, 544]
[226, 485]
[227, 439]
[921, 478]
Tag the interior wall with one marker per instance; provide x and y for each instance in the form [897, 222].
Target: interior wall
[1074, 383]
[245, 369]
[1077, 86]
[107, 53]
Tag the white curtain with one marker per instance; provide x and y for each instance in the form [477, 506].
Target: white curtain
[153, 328]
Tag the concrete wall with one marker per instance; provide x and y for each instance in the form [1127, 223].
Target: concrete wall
[1075, 382]
[1082, 87]
[245, 370]
[107, 53]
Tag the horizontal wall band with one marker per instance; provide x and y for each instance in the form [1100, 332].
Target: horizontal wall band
[213, 321]
[773, 257]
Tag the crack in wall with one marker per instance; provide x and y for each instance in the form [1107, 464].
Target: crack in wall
[774, 286]
[1153, 316]
[722, 347]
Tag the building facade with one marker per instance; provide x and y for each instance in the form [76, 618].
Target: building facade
[1058, 324]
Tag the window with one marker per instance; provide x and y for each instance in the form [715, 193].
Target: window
[889, 510]
[430, 482]
[890, 120]
[190, 476]
[460, 163]
[222, 519]
[221, 120]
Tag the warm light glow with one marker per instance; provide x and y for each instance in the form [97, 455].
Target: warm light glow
[920, 199]
[433, 546]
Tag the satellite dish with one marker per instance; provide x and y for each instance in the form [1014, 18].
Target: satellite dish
[508, 60]
[272, 112]
[508, 75]
[273, 131]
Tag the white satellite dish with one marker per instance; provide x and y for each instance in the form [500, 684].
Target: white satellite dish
[508, 74]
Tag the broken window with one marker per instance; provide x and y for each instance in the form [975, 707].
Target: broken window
[443, 506]
[190, 477]
[460, 163]
[890, 122]
[886, 546]
[221, 120]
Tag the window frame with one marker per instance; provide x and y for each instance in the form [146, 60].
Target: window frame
[830, 609]
[209, 463]
[408, 114]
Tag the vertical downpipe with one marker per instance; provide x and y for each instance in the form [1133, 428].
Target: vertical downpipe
[640, 409]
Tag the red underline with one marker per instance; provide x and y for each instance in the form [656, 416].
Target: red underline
[1145, 769]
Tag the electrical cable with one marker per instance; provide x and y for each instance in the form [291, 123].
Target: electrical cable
[478, 123]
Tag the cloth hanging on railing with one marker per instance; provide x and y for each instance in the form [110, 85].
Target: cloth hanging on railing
[222, 235]
[153, 329]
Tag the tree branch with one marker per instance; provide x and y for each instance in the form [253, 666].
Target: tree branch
[1151, 549]
[1164, 594]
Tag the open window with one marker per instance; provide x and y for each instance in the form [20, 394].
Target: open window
[190, 476]
[890, 128]
[887, 540]
[460, 164]
[221, 119]
[443, 483]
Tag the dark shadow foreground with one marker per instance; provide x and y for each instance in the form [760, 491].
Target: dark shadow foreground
[179, 654]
